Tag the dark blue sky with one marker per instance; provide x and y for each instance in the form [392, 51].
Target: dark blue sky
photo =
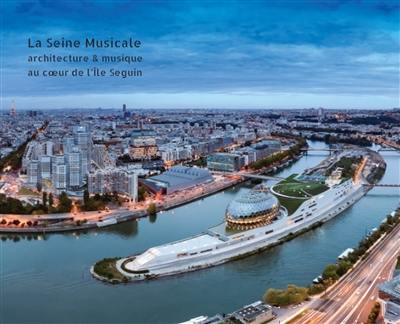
[213, 54]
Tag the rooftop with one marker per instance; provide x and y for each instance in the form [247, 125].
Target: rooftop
[250, 203]
[391, 287]
[180, 175]
[196, 244]
[392, 312]
[250, 312]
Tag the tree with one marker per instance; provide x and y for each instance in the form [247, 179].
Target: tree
[44, 198]
[343, 267]
[65, 203]
[51, 200]
[291, 296]
[330, 272]
[141, 193]
[315, 289]
[373, 315]
[86, 198]
[152, 209]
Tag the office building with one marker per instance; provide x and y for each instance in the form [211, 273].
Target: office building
[59, 172]
[33, 172]
[143, 148]
[83, 140]
[123, 181]
[226, 162]
[45, 167]
[74, 171]
[389, 297]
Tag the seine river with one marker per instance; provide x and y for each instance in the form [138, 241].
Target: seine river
[48, 280]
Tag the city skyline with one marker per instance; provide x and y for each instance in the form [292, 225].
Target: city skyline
[306, 54]
[158, 193]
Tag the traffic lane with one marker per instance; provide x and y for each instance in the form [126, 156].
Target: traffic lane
[346, 308]
[343, 314]
[330, 302]
[348, 281]
[362, 313]
[384, 262]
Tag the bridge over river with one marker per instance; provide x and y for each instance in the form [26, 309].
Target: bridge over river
[393, 185]
[331, 149]
[249, 175]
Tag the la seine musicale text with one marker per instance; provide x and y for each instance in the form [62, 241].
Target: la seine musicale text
[63, 43]
[87, 43]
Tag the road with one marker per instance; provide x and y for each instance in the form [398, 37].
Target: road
[352, 298]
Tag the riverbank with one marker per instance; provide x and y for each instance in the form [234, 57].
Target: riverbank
[124, 214]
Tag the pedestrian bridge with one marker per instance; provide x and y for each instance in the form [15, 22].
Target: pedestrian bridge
[250, 175]
[393, 185]
[388, 149]
[311, 149]
[321, 149]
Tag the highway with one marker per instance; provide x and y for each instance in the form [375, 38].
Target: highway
[352, 298]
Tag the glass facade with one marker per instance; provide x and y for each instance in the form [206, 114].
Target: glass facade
[224, 162]
[255, 208]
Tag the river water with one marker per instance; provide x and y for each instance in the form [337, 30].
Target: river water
[48, 280]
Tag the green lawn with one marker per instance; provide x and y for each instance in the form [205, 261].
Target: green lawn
[291, 204]
[298, 189]
[298, 192]
[107, 269]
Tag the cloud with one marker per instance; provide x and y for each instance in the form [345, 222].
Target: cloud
[325, 49]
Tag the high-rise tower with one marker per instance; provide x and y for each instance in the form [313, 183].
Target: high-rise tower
[125, 112]
[13, 109]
